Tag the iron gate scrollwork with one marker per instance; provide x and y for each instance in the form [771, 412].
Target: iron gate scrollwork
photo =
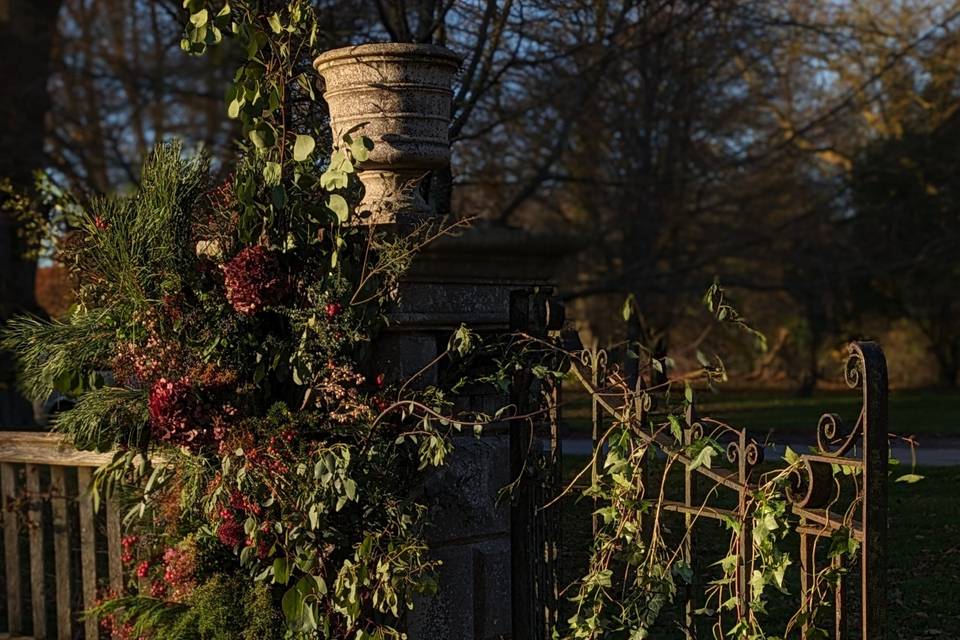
[857, 453]
[536, 465]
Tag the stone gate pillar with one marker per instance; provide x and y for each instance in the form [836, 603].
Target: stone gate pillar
[402, 93]
[468, 279]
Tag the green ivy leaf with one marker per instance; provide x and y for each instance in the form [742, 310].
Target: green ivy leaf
[332, 179]
[338, 205]
[274, 22]
[360, 148]
[199, 18]
[262, 137]
[233, 110]
[790, 456]
[704, 458]
[683, 571]
[340, 162]
[272, 173]
[675, 427]
[910, 478]
[303, 147]
[627, 310]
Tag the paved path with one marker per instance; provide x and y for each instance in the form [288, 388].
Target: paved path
[939, 452]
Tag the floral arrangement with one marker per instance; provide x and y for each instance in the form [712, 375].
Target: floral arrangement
[221, 344]
[266, 465]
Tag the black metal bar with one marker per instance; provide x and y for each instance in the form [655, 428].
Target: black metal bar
[521, 504]
[874, 514]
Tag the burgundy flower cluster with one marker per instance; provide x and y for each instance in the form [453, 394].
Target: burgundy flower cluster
[253, 280]
[175, 412]
[178, 569]
[230, 532]
[270, 458]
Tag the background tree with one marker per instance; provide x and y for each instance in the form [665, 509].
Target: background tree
[679, 139]
[908, 223]
[27, 31]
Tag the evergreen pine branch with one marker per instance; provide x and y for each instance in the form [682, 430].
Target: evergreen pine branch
[144, 613]
[137, 246]
[105, 417]
[52, 352]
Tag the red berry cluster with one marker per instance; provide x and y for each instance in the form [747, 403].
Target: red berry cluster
[158, 590]
[111, 627]
[253, 280]
[271, 457]
[178, 573]
[240, 502]
[128, 544]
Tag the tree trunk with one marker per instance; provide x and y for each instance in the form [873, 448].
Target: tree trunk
[947, 354]
[817, 323]
[27, 30]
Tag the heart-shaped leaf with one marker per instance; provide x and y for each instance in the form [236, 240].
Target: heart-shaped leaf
[303, 147]
[339, 206]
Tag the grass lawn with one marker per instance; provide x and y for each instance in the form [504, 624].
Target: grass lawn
[912, 412]
[923, 563]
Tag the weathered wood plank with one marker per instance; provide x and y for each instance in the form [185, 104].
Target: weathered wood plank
[113, 548]
[88, 548]
[46, 448]
[11, 532]
[38, 596]
[61, 551]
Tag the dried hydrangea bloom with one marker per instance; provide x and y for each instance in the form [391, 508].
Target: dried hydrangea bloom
[253, 280]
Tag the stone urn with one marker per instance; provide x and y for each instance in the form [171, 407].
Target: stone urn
[398, 95]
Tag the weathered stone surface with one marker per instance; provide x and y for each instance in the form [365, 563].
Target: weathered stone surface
[463, 494]
[492, 255]
[400, 355]
[474, 587]
[449, 305]
[399, 95]
[467, 279]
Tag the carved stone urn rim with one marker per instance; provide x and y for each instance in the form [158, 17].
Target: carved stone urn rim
[386, 51]
[401, 93]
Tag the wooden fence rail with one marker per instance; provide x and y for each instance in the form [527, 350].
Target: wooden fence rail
[53, 538]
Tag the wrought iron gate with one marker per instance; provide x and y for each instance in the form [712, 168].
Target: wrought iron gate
[855, 453]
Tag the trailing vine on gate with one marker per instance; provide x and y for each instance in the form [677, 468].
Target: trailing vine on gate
[643, 560]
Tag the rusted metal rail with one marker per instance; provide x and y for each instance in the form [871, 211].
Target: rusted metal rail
[862, 449]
